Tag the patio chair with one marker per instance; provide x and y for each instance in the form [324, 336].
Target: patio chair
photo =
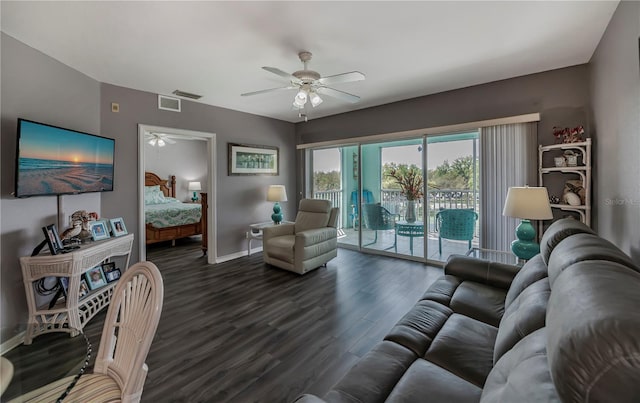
[378, 218]
[367, 197]
[456, 224]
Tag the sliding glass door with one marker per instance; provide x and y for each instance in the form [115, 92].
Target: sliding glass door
[452, 194]
[391, 205]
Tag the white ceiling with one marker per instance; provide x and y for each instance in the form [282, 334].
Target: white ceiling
[217, 49]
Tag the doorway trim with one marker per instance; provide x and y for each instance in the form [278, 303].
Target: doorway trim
[210, 138]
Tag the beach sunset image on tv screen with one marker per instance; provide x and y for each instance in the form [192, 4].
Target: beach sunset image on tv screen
[52, 160]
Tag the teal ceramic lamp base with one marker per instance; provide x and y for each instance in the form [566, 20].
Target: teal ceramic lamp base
[195, 197]
[277, 213]
[525, 247]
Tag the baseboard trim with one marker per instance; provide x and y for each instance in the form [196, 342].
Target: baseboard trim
[237, 255]
[12, 343]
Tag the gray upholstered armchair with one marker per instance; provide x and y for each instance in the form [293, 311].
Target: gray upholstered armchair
[306, 244]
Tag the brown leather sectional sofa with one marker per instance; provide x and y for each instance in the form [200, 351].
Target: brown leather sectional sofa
[565, 327]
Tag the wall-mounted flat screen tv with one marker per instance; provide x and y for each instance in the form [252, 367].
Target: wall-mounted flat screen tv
[52, 161]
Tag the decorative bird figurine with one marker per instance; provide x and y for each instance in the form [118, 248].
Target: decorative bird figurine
[72, 232]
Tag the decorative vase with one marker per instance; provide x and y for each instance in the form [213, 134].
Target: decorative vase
[410, 215]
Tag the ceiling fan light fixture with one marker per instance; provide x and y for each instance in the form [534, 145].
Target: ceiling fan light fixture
[153, 142]
[300, 98]
[315, 99]
[161, 143]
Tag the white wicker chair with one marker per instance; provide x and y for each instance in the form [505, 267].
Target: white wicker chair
[132, 319]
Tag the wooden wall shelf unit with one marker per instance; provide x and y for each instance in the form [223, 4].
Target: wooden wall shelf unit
[74, 313]
[582, 171]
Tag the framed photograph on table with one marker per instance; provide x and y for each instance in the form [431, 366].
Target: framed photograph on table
[117, 226]
[247, 159]
[110, 272]
[99, 230]
[95, 278]
[84, 289]
[53, 239]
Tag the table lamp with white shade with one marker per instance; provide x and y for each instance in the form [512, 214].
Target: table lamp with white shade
[527, 203]
[277, 193]
[194, 186]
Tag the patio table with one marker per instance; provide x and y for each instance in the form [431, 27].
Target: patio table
[411, 230]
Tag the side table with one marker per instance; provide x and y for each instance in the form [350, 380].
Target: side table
[255, 232]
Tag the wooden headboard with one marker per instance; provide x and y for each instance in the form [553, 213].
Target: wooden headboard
[168, 187]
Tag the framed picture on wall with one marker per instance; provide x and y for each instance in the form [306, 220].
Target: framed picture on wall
[247, 159]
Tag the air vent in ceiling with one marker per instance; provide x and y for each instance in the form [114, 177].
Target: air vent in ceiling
[186, 94]
[168, 103]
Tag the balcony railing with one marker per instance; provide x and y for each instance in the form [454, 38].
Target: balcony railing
[396, 203]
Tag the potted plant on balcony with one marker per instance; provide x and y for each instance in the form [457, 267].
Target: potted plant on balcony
[409, 178]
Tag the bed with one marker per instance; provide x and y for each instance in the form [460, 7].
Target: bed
[168, 219]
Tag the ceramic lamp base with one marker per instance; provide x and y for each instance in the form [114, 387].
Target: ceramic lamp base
[195, 197]
[525, 247]
[277, 214]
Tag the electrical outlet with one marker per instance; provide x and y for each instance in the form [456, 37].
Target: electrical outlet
[115, 107]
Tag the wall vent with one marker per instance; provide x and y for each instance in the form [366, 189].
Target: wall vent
[186, 94]
[168, 103]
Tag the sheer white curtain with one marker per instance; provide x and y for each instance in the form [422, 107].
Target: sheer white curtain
[507, 158]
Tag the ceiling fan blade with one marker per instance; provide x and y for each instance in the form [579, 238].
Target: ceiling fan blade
[283, 74]
[342, 78]
[168, 140]
[345, 96]
[247, 94]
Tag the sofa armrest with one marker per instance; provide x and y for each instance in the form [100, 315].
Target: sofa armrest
[308, 399]
[481, 271]
[316, 235]
[277, 230]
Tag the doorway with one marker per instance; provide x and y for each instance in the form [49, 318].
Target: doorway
[208, 182]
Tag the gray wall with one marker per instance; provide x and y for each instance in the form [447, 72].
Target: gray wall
[35, 87]
[186, 159]
[615, 91]
[561, 96]
[241, 199]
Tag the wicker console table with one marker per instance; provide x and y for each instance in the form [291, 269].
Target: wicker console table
[71, 315]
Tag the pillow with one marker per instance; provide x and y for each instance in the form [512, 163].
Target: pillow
[153, 195]
[152, 189]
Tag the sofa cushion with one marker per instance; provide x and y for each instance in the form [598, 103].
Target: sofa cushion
[479, 301]
[558, 231]
[593, 335]
[281, 247]
[425, 381]
[524, 316]
[464, 347]
[583, 247]
[417, 329]
[532, 271]
[522, 374]
[373, 378]
[442, 289]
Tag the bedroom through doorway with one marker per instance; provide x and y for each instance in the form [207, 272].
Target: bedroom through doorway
[176, 189]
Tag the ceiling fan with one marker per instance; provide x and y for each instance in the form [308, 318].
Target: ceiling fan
[158, 139]
[310, 84]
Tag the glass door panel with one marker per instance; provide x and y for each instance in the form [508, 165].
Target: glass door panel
[393, 218]
[452, 194]
[335, 178]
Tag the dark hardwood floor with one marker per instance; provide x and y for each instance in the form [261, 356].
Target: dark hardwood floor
[242, 331]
